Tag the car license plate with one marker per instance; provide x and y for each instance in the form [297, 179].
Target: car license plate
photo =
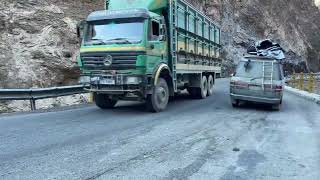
[107, 82]
[255, 88]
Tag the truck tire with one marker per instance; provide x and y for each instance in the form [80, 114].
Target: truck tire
[158, 100]
[200, 92]
[210, 85]
[103, 101]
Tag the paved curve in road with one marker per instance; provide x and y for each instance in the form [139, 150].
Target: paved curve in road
[193, 139]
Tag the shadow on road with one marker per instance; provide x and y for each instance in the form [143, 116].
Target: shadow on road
[140, 107]
[256, 106]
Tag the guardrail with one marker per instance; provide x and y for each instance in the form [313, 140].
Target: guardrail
[305, 81]
[41, 93]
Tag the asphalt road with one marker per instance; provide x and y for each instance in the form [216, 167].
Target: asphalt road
[193, 139]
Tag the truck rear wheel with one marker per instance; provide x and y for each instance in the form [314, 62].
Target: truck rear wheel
[103, 101]
[200, 92]
[158, 100]
[210, 85]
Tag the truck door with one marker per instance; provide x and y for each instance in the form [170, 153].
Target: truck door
[157, 47]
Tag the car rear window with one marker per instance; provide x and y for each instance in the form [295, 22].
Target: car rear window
[254, 69]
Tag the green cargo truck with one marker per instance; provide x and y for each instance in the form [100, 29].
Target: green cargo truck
[148, 50]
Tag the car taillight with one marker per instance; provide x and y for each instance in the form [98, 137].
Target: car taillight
[239, 84]
[279, 88]
[276, 88]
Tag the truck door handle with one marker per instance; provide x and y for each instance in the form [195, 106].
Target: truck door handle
[151, 46]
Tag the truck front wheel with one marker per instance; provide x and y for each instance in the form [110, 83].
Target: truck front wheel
[158, 100]
[103, 101]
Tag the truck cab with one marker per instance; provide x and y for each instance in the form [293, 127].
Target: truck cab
[120, 49]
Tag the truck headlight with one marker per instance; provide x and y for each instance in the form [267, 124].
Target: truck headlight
[85, 79]
[132, 80]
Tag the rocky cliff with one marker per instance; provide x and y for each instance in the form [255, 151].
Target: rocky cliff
[295, 24]
[38, 43]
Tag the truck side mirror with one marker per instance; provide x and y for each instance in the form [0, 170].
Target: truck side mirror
[80, 28]
[162, 29]
[162, 36]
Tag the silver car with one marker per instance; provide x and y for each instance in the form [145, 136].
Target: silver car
[258, 79]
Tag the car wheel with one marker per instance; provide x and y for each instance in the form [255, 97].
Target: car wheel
[235, 103]
[276, 107]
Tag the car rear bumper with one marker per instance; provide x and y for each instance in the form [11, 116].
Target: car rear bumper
[276, 100]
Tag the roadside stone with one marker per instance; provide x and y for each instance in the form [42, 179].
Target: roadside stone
[236, 149]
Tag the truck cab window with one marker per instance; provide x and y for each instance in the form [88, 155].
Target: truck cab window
[155, 31]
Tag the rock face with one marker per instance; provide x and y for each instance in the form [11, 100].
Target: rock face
[295, 24]
[38, 43]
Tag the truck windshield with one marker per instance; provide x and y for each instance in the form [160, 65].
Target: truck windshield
[254, 70]
[114, 32]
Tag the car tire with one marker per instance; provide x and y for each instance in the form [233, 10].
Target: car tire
[103, 101]
[158, 100]
[235, 103]
[276, 107]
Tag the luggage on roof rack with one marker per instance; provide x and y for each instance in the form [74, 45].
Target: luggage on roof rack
[267, 48]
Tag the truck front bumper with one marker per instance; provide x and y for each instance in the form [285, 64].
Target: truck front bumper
[116, 84]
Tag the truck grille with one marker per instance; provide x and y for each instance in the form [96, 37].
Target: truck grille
[120, 60]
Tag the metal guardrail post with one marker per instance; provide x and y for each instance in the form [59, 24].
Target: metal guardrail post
[301, 81]
[33, 104]
[91, 99]
[293, 81]
[311, 83]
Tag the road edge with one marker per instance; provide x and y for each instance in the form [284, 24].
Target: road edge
[49, 110]
[304, 94]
